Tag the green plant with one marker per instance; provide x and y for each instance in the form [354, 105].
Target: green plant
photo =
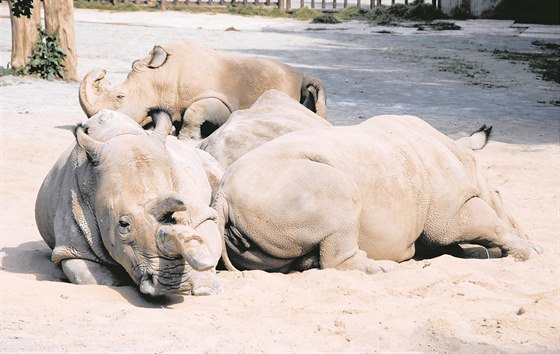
[116, 7]
[21, 8]
[423, 12]
[304, 13]
[13, 71]
[390, 15]
[326, 18]
[352, 13]
[47, 56]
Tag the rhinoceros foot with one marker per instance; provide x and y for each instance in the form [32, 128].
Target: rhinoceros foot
[82, 271]
[205, 283]
[374, 267]
[360, 261]
[522, 250]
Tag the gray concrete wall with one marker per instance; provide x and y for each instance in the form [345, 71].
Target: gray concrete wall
[477, 6]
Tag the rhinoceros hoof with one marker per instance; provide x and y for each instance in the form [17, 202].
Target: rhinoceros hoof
[205, 283]
[524, 250]
[374, 267]
[205, 290]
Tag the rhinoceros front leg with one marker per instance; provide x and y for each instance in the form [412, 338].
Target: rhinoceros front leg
[81, 271]
[311, 205]
[207, 109]
[339, 249]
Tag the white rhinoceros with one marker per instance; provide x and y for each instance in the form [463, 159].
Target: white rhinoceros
[359, 197]
[272, 115]
[125, 198]
[198, 84]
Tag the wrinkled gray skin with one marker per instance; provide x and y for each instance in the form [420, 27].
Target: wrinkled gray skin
[359, 198]
[272, 115]
[198, 84]
[125, 198]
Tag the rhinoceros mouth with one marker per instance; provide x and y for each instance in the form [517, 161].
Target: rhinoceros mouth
[164, 279]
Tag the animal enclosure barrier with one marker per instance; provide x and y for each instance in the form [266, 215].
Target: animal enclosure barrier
[285, 5]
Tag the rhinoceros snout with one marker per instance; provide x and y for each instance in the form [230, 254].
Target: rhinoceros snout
[147, 284]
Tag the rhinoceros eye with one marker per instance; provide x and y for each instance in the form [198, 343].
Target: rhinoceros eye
[124, 226]
[118, 99]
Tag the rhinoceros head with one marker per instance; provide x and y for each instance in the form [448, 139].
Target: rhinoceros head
[161, 237]
[147, 85]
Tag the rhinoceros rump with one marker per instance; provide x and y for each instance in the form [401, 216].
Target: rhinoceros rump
[272, 115]
[357, 197]
[199, 85]
[125, 197]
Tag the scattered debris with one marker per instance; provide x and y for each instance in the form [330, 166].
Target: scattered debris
[437, 26]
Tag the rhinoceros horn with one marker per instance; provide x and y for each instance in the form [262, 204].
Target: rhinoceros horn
[92, 86]
[176, 239]
[90, 145]
[162, 120]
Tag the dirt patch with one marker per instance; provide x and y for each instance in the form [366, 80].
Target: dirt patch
[546, 64]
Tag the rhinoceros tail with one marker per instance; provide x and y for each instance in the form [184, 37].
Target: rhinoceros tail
[221, 206]
[313, 95]
[478, 139]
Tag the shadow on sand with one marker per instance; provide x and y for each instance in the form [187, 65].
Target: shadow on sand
[34, 257]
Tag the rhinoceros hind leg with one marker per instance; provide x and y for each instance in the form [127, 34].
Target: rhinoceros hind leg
[476, 222]
[81, 271]
[208, 109]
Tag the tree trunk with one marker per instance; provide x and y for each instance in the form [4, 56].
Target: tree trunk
[24, 34]
[59, 16]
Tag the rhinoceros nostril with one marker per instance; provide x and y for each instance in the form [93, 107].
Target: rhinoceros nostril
[168, 218]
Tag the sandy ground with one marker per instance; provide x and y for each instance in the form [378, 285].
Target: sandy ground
[444, 304]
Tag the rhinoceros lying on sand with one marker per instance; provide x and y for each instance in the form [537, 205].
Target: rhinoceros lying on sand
[272, 115]
[358, 197]
[198, 84]
[124, 198]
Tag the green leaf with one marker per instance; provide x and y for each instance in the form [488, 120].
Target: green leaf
[47, 56]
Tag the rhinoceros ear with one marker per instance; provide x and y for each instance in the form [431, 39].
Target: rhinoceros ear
[90, 145]
[159, 56]
[163, 207]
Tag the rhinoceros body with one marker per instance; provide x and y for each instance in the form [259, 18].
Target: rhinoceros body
[359, 198]
[198, 84]
[124, 198]
[272, 115]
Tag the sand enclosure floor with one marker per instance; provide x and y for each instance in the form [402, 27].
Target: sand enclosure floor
[444, 304]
